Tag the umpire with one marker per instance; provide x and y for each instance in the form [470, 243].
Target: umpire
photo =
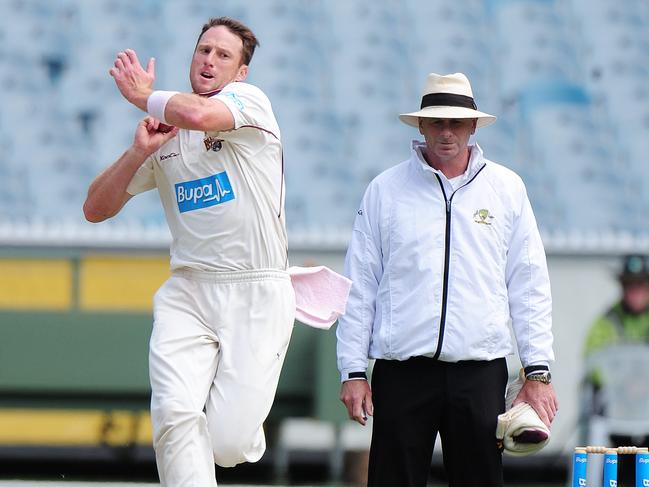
[445, 250]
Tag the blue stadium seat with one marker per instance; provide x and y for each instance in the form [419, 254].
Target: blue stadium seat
[338, 74]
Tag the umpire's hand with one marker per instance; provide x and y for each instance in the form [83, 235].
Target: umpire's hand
[541, 397]
[357, 397]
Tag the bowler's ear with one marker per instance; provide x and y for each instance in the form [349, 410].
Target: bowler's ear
[419, 123]
[475, 125]
[242, 73]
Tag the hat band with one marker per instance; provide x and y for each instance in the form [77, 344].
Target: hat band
[447, 100]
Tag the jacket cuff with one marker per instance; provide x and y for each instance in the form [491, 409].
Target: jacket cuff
[531, 369]
[345, 376]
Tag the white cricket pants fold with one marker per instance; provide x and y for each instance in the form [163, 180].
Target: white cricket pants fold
[216, 352]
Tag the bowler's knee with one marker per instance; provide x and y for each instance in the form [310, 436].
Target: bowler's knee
[170, 420]
[230, 448]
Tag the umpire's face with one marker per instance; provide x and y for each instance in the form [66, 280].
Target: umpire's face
[446, 138]
[217, 60]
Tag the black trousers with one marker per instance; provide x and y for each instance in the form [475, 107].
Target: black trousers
[417, 398]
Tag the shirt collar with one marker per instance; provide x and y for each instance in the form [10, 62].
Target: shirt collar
[476, 160]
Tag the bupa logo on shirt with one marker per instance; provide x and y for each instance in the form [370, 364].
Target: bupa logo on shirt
[204, 192]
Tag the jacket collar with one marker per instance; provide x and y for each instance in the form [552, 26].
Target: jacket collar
[476, 160]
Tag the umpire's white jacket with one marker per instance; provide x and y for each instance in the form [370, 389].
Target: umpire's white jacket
[439, 272]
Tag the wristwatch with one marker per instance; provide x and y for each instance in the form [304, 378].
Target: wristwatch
[541, 376]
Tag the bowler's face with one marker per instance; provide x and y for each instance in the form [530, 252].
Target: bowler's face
[446, 138]
[217, 60]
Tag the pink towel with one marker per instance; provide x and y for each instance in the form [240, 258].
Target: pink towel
[320, 295]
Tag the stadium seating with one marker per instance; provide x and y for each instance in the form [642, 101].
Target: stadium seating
[338, 74]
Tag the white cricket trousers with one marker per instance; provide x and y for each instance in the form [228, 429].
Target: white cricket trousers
[218, 344]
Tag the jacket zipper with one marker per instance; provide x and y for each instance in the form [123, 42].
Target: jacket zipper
[447, 258]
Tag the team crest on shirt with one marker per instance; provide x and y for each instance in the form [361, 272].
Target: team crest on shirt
[204, 192]
[483, 216]
[212, 143]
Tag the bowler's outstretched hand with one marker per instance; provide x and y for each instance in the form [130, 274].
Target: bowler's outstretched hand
[133, 81]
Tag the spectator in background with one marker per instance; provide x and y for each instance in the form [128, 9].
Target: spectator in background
[626, 322]
[223, 320]
[445, 250]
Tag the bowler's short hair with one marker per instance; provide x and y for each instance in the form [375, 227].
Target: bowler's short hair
[249, 39]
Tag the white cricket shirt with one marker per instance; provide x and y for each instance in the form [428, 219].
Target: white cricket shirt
[222, 192]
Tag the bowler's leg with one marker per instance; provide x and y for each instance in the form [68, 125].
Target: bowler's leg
[182, 363]
[254, 340]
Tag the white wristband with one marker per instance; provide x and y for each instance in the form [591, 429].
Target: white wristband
[156, 103]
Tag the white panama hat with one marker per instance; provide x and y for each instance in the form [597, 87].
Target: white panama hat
[447, 96]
